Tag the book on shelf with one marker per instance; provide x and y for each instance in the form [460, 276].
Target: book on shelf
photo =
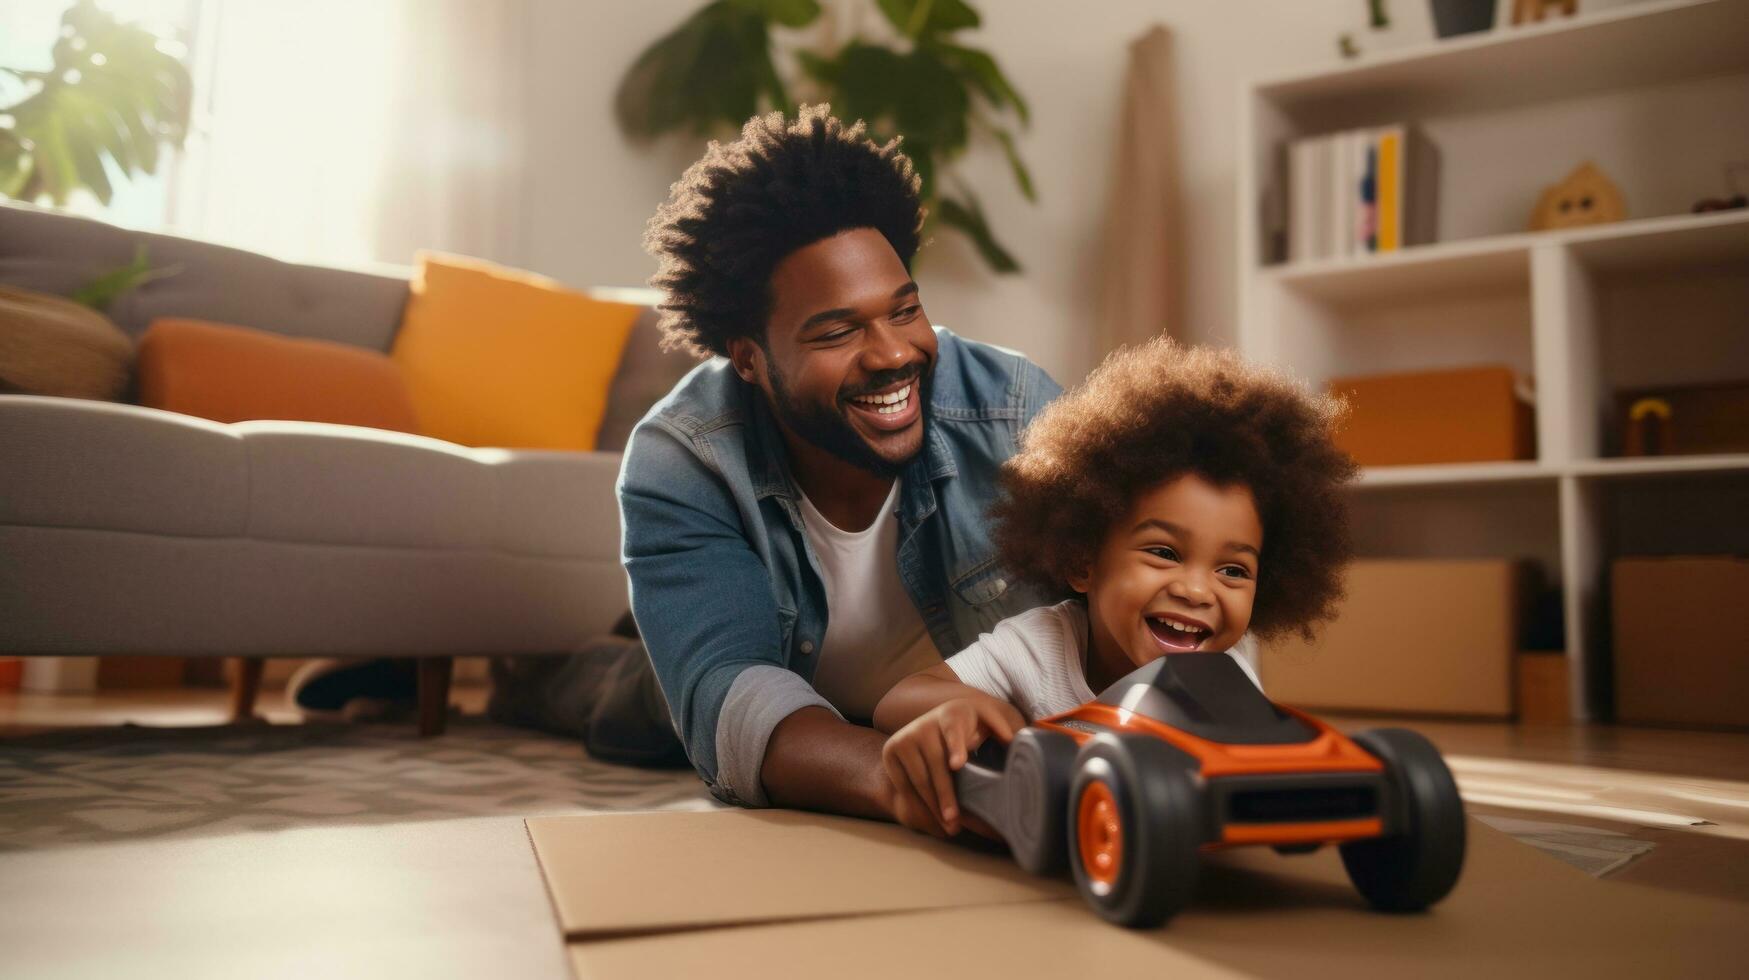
[1360, 192]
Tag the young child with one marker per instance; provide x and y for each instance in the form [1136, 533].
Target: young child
[1186, 498]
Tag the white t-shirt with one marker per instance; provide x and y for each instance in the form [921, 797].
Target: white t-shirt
[874, 636]
[1036, 661]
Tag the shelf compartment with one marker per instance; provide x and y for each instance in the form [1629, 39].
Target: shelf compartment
[1663, 308]
[1516, 519]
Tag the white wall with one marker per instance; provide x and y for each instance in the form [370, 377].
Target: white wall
[589, 193]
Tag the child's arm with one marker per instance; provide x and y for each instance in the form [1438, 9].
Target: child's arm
[939, 721]
[916, 695]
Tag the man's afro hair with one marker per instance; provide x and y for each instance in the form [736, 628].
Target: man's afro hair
[1157, 411]
[739, 211]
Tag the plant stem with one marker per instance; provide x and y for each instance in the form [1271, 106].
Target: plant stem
[919, 17]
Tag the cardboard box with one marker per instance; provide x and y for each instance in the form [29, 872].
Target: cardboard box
[1413, 636]
[1467, 415]
[1681, 640]
[625, 873]
[669, 895]
[1673, 421]
[1542, 689]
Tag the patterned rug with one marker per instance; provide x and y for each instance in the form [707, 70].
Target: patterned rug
[133, 783]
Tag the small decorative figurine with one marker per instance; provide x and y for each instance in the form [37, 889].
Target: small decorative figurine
[1533, 11]
[1584, 197]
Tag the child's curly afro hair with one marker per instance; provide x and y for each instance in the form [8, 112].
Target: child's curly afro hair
[736, 213]
[1158, 411]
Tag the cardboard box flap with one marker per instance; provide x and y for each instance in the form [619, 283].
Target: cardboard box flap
[1002, 942]
[1515, 913]
[617, 873]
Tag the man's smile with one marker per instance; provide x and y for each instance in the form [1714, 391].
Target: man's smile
[890, 410]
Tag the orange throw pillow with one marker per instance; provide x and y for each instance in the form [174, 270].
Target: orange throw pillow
[497, 357]
[234, 374]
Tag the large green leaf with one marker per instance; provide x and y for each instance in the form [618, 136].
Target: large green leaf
[114, 94]
[981, 71]
[710, 72]
[915, 94]
[968, 217]
[920, 18]
[1022, 176]
[713, 71]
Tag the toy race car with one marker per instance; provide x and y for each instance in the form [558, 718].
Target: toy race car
[1185, 755]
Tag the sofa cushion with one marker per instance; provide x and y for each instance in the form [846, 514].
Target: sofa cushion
[234, 374]
[336, 484]
[102, 466]
[54, 346]
[85, 464]
[646, 375]
[131, 530]
[57, 253]
[497, 357]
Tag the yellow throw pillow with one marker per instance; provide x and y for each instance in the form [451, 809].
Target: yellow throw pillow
[498, 357]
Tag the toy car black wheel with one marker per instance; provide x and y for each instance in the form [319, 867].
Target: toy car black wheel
[1417, 866]
[1035, 784]
[1135, 823]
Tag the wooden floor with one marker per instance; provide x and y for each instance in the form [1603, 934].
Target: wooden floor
[25, 712]
[464, 896]
[1685, 791]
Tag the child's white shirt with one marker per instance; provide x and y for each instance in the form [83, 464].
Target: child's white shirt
[1036, 661]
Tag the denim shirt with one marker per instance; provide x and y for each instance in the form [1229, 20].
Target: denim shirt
[725, 586]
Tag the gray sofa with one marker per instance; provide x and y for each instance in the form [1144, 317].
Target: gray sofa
[127, 530]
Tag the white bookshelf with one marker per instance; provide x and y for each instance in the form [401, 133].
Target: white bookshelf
[1662, 298]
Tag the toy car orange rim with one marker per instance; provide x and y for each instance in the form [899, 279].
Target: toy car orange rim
[1099, 830]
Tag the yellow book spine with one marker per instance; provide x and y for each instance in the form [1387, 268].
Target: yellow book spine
[1390, 192]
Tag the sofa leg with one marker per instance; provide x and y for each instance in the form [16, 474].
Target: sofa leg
[244, 688]
[434, 675]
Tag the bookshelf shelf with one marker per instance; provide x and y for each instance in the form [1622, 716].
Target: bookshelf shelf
[1656, 466]
[1675, 241]
[1489, 263]
[1651, 92]
[1527, 471]
[1450, 474]
[1635, 46]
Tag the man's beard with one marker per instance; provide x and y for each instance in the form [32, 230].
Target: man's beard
[831, 431]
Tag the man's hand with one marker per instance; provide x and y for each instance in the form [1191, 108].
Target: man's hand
[921, 758]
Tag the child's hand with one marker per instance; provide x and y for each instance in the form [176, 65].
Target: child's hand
[921, 757]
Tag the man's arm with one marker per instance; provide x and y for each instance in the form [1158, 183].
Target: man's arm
[755, 730]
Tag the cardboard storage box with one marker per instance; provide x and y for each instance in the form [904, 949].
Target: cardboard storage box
[1435, 637]
[1682, 420]
[1542, 689]
[1681, 640]
[1461, 416]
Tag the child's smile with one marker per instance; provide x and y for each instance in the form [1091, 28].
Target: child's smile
[1177, 634]
[1178, 574]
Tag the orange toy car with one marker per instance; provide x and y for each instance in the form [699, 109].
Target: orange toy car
[1185, 755]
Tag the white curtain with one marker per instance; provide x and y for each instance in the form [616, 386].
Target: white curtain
[351, 132]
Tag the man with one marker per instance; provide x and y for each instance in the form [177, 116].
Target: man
[804, 514]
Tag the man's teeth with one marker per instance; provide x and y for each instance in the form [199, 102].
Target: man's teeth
[891, 403]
